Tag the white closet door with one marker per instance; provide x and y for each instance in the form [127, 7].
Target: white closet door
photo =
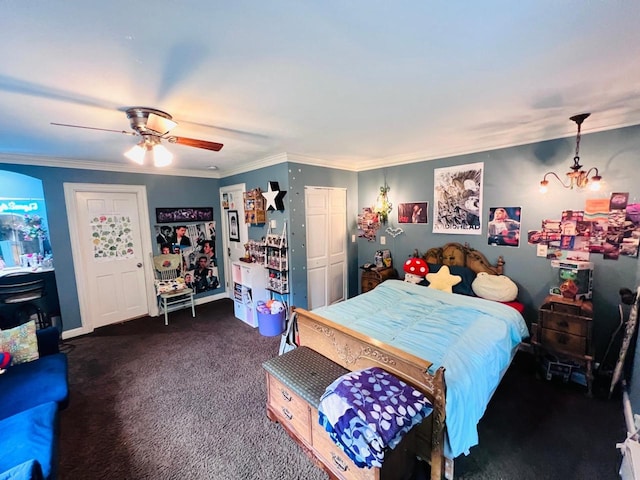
[326, 214]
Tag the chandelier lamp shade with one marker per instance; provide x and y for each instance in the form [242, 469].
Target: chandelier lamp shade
[576, 177]
[161, 156]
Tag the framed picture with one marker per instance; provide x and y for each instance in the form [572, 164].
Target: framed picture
[234, 231]
[174, 215]
[413, 212]
[225, 201]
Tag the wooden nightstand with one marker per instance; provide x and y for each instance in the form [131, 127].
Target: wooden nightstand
[371, 278]
[564, 328]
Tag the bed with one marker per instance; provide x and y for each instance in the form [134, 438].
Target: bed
[454, 348]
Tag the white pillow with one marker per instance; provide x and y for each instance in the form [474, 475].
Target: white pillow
[494, 287]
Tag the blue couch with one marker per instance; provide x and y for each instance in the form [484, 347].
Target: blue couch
[31, 395]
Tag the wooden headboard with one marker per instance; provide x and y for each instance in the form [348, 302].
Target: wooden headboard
[456, 254]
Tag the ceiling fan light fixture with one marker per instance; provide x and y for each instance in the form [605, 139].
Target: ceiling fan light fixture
[161, 156]
[136, 153]
[160, 125]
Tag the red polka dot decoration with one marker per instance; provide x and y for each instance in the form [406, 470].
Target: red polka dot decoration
[416, 266]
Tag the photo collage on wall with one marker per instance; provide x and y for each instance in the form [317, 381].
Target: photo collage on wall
[196, 242]
[368, 224]
[610, 226]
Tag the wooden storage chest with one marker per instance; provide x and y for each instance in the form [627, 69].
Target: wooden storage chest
[295, 382]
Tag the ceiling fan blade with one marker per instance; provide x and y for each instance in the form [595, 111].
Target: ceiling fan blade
[159, 124]
[192, 142]
[94, 128]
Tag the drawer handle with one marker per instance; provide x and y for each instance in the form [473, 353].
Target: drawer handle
[563, 324]
[339, 462]
[285, 395]
[563, 339]
[287, 413]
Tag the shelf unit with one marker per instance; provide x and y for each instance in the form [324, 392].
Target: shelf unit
[249, 286]
[277, 261]
[254, 207]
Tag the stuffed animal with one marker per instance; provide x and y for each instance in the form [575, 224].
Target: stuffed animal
[415, 270]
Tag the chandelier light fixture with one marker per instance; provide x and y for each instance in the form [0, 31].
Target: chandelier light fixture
[577, 177]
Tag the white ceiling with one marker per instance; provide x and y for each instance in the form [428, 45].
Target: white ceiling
[355, 84]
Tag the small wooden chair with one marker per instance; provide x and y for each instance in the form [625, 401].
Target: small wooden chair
[170, 286]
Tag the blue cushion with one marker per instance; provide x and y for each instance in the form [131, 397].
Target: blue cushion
[48, 339]
[31, 435]
[464, 287]
[29, 470]
[29, 384]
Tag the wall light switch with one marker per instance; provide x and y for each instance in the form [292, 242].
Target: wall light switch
[272, 223]
[383, 240]
[353, 238]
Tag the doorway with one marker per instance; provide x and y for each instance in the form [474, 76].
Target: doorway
[326, 221]
[232, 200]
[112, 252]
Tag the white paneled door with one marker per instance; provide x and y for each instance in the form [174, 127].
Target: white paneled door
[326, 222]
[112, 252]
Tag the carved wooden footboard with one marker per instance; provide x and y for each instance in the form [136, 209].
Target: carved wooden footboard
[355, 351]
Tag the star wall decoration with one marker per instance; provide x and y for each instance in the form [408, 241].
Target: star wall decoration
[274, 197]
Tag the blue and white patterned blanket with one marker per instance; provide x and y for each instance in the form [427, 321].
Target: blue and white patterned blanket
[367, 413]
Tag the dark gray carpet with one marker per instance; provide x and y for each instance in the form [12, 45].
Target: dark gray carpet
[187, 401]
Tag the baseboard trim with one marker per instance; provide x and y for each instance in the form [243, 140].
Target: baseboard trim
[76, 332]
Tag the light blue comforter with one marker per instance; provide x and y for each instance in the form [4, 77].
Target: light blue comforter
[474, 339]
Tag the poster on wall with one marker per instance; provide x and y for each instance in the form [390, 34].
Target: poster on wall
[504, 226]
[413, 212]
[193, 214]
[457, 205]
[111, 237]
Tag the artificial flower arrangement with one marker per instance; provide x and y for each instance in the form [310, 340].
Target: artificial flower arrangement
[32, 228]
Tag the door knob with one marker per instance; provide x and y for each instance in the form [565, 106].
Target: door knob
[139, 265]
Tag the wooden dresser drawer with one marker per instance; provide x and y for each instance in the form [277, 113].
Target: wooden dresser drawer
[335, 459]
[292, 410]
[372, 278]
[564, 342]
[564, 322]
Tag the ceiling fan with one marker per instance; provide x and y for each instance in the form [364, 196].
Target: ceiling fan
[152, 125]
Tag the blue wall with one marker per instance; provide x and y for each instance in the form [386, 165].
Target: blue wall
[292, 178]
[306, 175]
[162, 191]
[511, 178]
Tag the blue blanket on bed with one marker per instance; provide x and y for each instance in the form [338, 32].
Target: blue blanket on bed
[473, 338]
[367, 413]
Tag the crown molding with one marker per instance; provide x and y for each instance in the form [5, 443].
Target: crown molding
[319, 162]
[43, 161]
[255, 165]
[605, 124]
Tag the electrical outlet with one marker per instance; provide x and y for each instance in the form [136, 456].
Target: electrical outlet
[353, 238]
[383, 240]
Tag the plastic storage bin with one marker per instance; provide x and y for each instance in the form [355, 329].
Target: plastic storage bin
[271, 325]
